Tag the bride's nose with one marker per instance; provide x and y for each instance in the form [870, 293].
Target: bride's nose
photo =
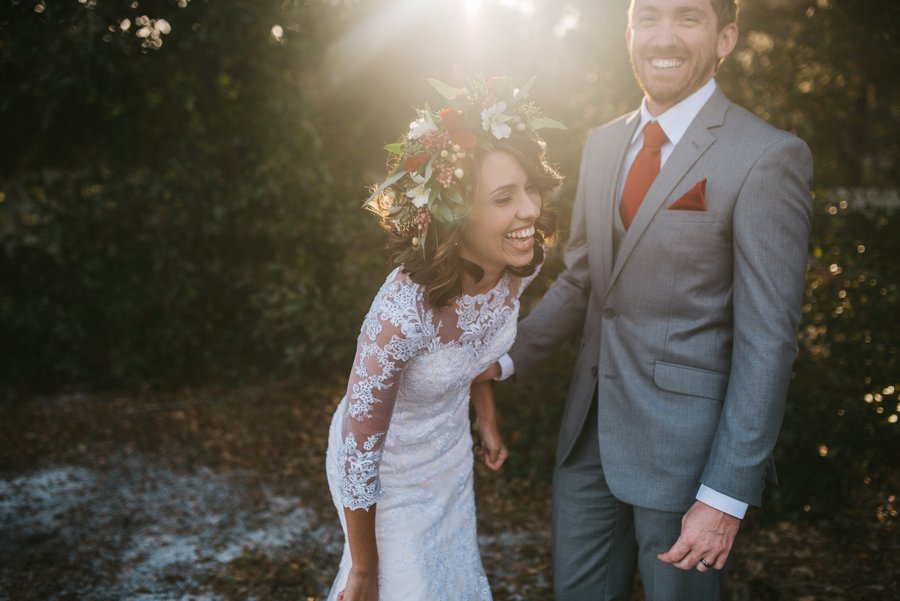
[529, 207]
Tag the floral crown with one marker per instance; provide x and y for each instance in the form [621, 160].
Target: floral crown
[435, 159]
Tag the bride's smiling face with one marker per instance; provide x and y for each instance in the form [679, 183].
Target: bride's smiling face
[499, 230]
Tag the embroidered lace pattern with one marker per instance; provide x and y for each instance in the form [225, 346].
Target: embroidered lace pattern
[480, 316]
[391, 334]
[398, 327]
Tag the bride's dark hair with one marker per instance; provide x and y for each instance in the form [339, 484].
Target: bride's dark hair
[437, 266]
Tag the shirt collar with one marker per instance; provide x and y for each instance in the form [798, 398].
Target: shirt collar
[675, 121]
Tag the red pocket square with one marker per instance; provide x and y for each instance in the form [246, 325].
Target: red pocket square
[693, 200]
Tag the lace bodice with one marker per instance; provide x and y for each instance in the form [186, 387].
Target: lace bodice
[420, 359]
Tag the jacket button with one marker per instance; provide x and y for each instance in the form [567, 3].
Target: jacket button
[608, 313]
[594, 371]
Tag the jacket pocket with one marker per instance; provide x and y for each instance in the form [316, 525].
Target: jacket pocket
[692, 381]
[689, 216]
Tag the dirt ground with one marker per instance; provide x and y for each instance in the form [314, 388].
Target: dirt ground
[221, 494]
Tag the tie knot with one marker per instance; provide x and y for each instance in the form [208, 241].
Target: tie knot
[654, 136]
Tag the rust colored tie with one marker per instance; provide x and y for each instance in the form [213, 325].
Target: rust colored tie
[642, 173]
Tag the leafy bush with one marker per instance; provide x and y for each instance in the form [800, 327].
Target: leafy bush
[169, 213]
[841, 429]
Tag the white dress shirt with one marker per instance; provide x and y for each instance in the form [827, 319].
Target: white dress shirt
[674, 123]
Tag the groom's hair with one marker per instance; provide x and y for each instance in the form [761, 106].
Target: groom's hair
[726, 12]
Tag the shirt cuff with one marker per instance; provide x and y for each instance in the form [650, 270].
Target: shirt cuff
[507, 367]
[723, 503]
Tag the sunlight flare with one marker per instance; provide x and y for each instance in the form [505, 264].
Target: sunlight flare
[472, 8]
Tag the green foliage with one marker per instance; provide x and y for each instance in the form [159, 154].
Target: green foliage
[841, 430]
[825, 69]
[171, 215]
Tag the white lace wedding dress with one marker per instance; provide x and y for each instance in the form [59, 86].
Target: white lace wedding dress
[401, 436]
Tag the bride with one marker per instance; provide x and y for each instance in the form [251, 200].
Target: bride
[464, 206]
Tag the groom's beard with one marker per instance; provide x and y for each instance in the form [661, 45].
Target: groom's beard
[667, 89]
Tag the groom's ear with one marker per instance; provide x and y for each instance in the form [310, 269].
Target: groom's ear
[628, 33]
[728, 38]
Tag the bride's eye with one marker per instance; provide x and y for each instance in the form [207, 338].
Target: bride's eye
[502, 200]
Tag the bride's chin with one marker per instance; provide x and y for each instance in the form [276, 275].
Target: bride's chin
[521, 260]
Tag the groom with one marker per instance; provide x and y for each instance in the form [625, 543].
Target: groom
[684, 275]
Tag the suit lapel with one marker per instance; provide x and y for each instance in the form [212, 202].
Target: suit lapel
[608, 190]
[696, 140]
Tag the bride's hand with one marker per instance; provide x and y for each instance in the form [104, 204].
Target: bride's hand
[490, 448]
[360, 587]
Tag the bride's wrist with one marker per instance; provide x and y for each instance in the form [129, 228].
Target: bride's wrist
[486, 421]
[364, 571]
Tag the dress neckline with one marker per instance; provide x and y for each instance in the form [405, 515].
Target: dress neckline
[483, 296]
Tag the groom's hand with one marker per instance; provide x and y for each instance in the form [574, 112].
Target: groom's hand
[489, 374]
[707, 534]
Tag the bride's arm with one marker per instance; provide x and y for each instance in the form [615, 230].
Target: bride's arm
[490, 448]
[390, 336]
[362, 582]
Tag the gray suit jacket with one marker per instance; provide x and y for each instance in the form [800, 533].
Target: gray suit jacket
[689, 331]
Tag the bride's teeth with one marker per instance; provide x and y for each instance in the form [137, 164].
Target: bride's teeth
[526, 233]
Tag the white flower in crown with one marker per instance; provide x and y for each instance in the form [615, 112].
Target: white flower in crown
[422, 126]
[493, 119]
[419, 195]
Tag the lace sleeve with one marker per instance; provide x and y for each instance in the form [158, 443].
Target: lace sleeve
[391, 334]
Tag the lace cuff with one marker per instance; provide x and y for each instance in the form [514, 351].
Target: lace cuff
[360, 486]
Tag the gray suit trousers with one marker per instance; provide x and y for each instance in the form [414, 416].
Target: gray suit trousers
[599, 541]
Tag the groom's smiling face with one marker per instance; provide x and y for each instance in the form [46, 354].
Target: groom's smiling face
[675, 46]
